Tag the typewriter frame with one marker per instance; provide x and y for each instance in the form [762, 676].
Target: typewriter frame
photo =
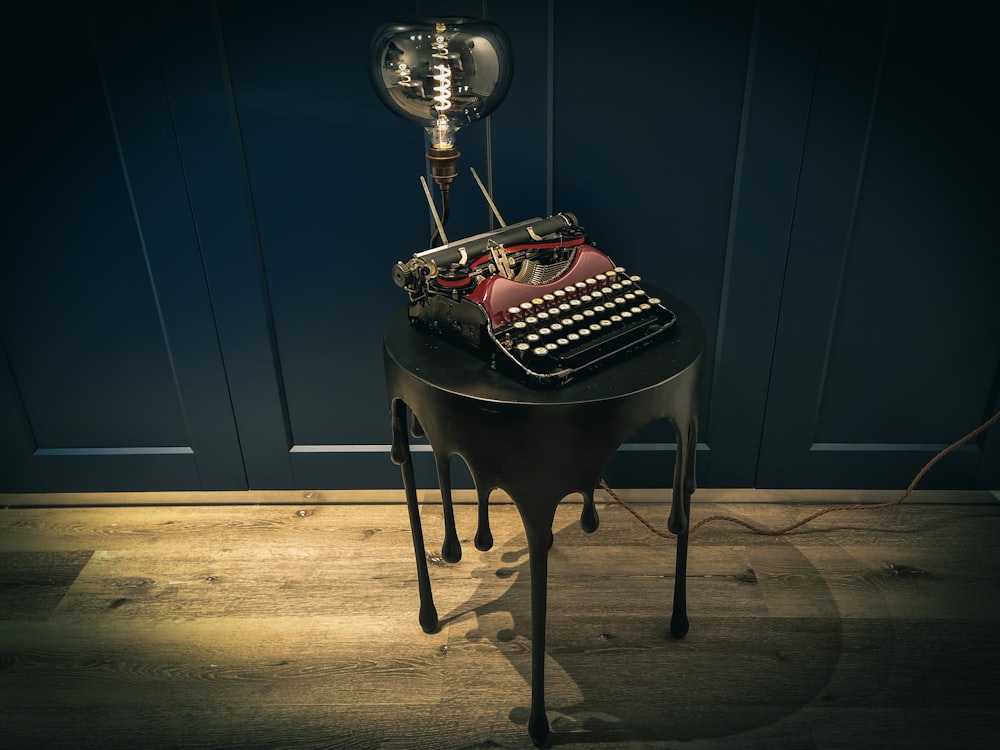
[473, 293]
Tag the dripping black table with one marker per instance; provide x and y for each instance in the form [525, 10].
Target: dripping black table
[538, 446]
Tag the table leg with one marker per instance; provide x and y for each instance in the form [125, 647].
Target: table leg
[678, 521]
[402, 457]
[451, 548]
[484, 535]
[692, 453]
[538, 517]
[589, 520]
[684, 482]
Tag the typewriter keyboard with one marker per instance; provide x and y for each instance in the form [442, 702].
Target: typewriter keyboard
[583, 323]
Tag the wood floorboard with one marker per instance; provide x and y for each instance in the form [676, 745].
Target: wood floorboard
[295, 626]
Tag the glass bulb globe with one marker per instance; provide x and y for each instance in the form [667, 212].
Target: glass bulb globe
[441, 73]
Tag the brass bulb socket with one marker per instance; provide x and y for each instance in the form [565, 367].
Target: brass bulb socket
[444, 165]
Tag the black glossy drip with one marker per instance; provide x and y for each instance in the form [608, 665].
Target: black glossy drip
[484, 535]
[416, 430]
[428, 616]
[589, 520]
[451, 548]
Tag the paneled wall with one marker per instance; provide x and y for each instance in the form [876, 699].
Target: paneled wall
[203, 201]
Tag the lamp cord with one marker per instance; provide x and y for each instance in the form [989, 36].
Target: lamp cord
[791, 527]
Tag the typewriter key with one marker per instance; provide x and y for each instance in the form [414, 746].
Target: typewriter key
[556, 327]
[549, 298]
[520, 325]
[543, 332]
[531, 320]
[538, 301]
[580, 286]
[567, 322]
[645, 306]
[654, 300]
[588, 313]
[626, 314]
[626, 282]
[539, 351]
[532, 338]
[595, 327]
[562, 341]
[559, 293]
[542, 317]
[526, 306]
[616, 319]
[552, 346]
[523, 348]
[601, 277]
[573, 336]
[574, 303]
[512, 311]
[565, 307]
[629, 296]
[619, 300]
[636, 310]
[605, 323]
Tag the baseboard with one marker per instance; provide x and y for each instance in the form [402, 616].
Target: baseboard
[396, 496]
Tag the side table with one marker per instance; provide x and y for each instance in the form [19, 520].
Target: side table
[538, 446]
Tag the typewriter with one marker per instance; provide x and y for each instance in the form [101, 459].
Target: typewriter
[534, 299]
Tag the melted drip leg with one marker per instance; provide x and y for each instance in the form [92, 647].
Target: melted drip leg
[690, 485]
[589, 520]
[537, 516]
[678, 521]
[679, 620]
[416, 429]
[401, 456]
[484, 536]
[451, 548]
[538, 550]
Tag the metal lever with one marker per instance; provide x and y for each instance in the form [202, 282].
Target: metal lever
[430, 202]
[489, 200]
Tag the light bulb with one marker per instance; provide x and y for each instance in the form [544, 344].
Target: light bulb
[442, 74]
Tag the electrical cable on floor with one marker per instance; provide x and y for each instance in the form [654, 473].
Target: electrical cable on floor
[853, 506]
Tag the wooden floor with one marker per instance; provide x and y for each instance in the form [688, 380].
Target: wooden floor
[295, 626]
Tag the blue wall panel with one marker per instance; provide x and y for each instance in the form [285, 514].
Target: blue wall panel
[75, 269]
[113, 375]
[203, 202]
[889, 338]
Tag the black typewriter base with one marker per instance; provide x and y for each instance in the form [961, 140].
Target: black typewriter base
[464, 325]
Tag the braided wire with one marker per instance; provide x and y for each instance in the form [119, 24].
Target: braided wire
[812, 517]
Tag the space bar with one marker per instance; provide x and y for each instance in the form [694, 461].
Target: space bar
[608, 344]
